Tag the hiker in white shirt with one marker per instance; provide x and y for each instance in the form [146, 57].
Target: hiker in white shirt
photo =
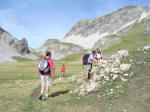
[118, 53]
[99, 55]
[90, 61]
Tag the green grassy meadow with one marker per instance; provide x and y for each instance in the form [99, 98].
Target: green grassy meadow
[19, 80]
[19, 89]
[132, 38]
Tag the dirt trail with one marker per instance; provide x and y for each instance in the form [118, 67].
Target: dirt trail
[36, 92]
[57, 89]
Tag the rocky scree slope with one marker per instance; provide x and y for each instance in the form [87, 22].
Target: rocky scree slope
[113, 78]
[58, 49]
[10, 46]
[110, 74]
[86, 32]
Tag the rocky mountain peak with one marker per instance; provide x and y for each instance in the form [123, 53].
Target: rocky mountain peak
[90, 30]
[22, 46]
[58, 49]
[10, 46]
[51, 41]
[1, 30]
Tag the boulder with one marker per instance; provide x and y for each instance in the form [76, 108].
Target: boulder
[113, 57]
[92, 87]
[116, 62]
[115, 70]
[103, 65]
[146, 48]
[107, 69]
[77, 90]
[125, 67]
[131, 74]
[106, 78]
[115, 76]
[123, 79]
[103, 62]
[82, 92]
[123, 53]
[126, 75]
[97, 78]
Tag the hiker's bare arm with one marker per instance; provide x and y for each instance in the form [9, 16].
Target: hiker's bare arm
[53, 73]
[95, 61]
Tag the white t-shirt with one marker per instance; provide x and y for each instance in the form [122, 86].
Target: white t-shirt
[118, 53]
[99, 55]
[91, 58]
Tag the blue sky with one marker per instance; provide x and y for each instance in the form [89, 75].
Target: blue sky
[38, 20]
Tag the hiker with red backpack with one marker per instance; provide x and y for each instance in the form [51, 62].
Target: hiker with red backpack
[46, 70]
[88, 60]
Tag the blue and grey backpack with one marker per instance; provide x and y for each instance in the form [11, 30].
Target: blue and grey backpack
[44, 66]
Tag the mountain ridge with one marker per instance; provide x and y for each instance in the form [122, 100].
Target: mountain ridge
[59, 49]
[90, 30]
[10, 46]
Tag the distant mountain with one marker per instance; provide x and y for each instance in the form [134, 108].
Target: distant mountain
[58, 49]
[92, 33]
[10, 46]
[131, 37]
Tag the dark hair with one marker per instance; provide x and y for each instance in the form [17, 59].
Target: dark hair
[93, 52]
[48, 53]
[98, 49]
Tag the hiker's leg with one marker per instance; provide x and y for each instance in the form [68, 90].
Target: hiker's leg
[62, 74]
[42, 90]
[47, 91]
[48, 84]
[90, 71]
[89, 74]
[43, 84]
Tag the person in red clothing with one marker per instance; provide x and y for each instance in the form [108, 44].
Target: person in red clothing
[63, 69]
[46, 77]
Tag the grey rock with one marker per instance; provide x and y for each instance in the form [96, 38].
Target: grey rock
[22, 46]
[58, 49]
[106, 42]
[10, 46]
[102, 27]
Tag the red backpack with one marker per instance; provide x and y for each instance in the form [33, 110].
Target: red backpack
[85, 59]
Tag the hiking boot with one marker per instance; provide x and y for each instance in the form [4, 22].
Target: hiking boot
[89, 76]
[40, 97]
[87, 79]
[46, 98]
